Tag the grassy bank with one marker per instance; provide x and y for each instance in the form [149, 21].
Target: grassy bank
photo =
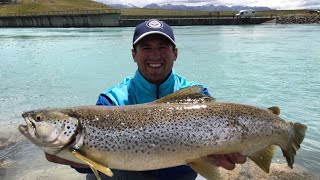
[39, 6]
[160, 12]
[302, 12]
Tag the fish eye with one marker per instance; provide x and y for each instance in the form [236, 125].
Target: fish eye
[38, 117]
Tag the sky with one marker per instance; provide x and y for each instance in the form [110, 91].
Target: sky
[275, 4]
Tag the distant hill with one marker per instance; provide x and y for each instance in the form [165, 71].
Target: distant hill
[210, 7]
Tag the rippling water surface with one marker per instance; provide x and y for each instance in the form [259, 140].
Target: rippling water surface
[262, 65]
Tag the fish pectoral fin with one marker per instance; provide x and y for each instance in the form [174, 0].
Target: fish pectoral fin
[263, 158]
[275, 110]
[93, 165]
[95, 172]
[205, 168]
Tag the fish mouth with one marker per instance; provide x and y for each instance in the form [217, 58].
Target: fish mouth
[29, 129]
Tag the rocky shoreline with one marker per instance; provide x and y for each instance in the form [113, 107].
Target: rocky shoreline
[278, 171]
[295, 19]
[247, 171]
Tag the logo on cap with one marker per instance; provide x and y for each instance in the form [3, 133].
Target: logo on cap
[154, 24]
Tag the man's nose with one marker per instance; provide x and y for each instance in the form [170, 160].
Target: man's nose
[155, 53]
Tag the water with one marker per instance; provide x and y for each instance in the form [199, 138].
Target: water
[262, 65]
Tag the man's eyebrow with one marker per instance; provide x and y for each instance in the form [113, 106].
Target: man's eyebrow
[142, 44]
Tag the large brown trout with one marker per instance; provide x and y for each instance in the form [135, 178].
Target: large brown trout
[181, 128]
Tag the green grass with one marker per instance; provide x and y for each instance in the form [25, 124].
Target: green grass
[159, 12]
[174, 13]
[26, 6]
[301, 12]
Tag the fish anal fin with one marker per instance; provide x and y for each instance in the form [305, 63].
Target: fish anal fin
[264, 157]
[205, 168]
[275, 110]
[93, 165]
[192, 94]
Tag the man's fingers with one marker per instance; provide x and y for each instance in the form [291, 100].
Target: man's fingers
[56, 159]
[227, 161]
[236, 158]
[51, 158]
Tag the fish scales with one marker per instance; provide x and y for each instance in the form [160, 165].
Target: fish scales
[181, 128]
[152, 132]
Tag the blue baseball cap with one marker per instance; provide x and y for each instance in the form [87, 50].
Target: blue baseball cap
[152, 26]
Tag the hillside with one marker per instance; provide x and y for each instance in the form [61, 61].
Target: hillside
[27, 6]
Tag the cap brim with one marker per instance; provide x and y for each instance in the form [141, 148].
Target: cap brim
[153, 32]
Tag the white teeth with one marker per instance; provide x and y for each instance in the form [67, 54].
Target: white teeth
[155, 65]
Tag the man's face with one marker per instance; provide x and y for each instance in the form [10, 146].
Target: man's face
[155, 57]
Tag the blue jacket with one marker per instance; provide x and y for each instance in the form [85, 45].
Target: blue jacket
[137, 90]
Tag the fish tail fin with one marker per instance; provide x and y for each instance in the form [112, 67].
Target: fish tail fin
[294, 143]
[205, 168]
[264, 157]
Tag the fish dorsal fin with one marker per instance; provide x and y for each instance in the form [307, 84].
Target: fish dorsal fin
[192, 94]
[205, 168]
[275, 110]
[93, 165]
[263, 158]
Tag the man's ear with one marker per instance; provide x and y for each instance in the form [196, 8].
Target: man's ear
[133, 52]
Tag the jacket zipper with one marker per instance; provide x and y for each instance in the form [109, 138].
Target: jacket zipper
[157, 91]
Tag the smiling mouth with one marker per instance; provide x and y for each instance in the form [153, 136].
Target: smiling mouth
[155, 65]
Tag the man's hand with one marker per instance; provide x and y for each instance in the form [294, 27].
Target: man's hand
[227, 161]
[56, 159]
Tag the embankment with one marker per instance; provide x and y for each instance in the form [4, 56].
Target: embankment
[68, 20]
[298, 19]
[188, 21]
[116, 20]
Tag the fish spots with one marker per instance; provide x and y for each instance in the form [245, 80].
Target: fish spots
[148, 130]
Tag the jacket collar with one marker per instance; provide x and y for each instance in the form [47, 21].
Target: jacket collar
[142, 85]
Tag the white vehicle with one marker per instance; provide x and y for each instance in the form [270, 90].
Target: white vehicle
[246, 13]
[314, 11]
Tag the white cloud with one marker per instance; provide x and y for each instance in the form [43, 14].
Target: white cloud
[276, 4]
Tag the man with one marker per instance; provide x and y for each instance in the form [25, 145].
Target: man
[154, 51]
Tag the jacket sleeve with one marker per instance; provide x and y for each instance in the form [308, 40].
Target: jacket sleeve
[104, 100]
[206, 91]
